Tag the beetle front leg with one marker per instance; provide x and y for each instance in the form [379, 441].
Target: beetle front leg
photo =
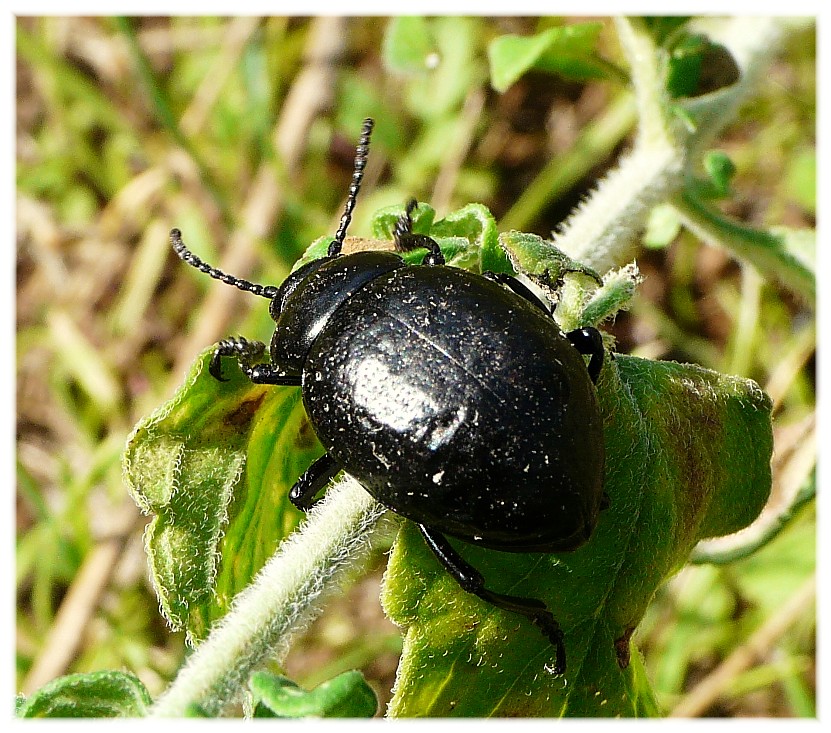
[471, 580]
[315, 478]
[589, 341]
[405, 240]
[245, 352]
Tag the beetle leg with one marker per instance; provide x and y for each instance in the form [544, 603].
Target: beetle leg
[315, 478]
[245, 351]
[471, 580]
[518, 287]
[405, 240]
[588, 341]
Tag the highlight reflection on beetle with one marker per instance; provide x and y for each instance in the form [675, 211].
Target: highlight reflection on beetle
[453, 397]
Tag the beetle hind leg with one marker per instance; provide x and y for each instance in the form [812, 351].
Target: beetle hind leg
[471, 580]
[313, 480]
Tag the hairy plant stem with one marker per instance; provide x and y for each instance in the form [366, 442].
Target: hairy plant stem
[281, 601]
[602, 232]
[766, 251]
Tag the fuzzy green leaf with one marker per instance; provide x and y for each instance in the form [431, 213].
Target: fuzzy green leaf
[541, 260]
[215, 464]
[467, 237]
[346, 696]
[615, 295]
[545, 264]
[565, 50]
[476, 224]
[384, 220]
[109, 694]
[688, 457]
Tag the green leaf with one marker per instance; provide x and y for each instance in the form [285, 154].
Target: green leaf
[346, 696]
[440, 57]
[409, 46]
[467, 237]
[697, 66]
[720, 170]
[109, 694]
[540, 259]
[547, 266]
[476, 224]
[662, 27]
[616, 293]
[215, 464]
[662, 227]
[564, 50]
[687, 457]
[384, 220]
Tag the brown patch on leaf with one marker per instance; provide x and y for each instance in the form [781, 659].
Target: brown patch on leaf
[241, 417]
[623, 649]
[305, 438]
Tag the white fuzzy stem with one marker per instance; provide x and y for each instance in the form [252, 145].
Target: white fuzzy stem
[602, 231]
[283, 599]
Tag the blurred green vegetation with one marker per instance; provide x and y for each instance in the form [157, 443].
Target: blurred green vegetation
[241, 131]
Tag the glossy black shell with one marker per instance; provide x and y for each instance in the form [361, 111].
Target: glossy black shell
[455, 402]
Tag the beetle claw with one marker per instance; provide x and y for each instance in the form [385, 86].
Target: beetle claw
[549, 626]
[215, 367]
[239, 347]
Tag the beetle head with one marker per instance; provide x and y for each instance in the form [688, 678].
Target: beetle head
[310, 295]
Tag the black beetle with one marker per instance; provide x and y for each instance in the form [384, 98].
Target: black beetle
[454, 398]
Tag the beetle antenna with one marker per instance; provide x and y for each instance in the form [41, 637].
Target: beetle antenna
[265, 291]
[361, 154]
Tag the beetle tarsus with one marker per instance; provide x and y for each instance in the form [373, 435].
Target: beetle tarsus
[315, 479]
[406, 241]
[471, 580]
[551, 629]
[245, 352]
